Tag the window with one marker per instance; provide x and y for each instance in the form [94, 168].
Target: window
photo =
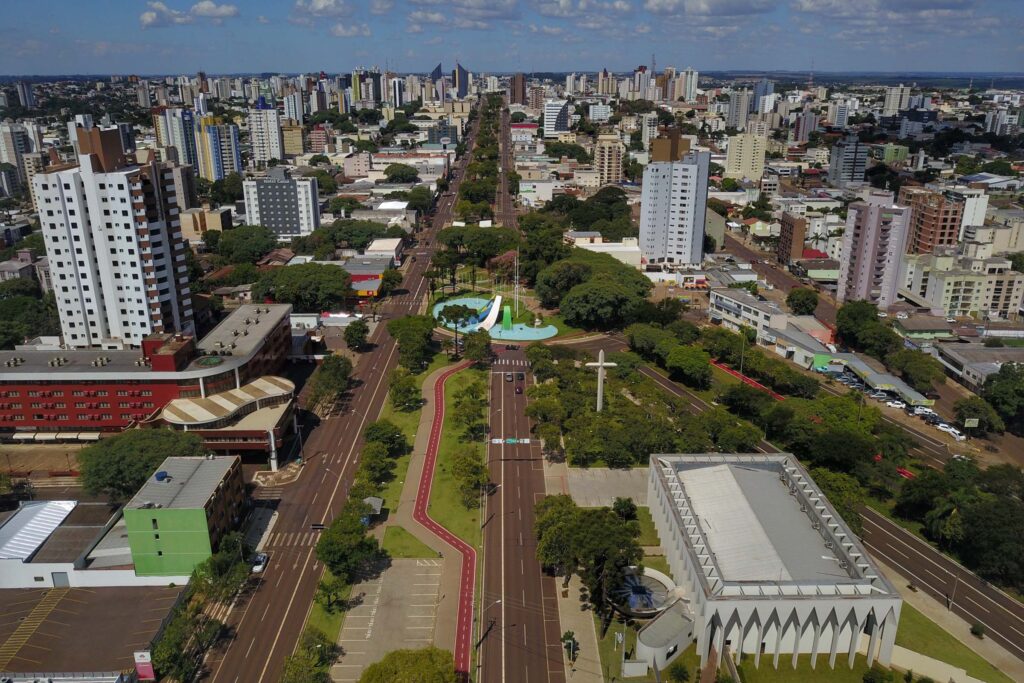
[155, 525]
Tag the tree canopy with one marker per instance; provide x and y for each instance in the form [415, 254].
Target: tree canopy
[117, 467]
[802, 301]
[309, 287]
[246, 243]
[401, 173]
[427, 665]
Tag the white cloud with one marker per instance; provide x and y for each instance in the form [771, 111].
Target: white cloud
[425, 17]
[350, 30]
[159, 14]
[321, 8]
[722, 8]
[262, 19]
[381, 6]
[414, 28]
[208, 8]
[474, 24]
[547, 30]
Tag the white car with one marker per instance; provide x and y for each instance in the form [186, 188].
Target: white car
[883, 314]
[878, 395]
[896, 404]
[259, 563]
[952, 431]
[922, 410]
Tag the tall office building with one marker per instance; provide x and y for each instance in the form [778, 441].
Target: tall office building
[847, 162]
[118, 274]
[15, 143]
[294, 108]
[517, 89]
[739, 107]
[690, 87]
[873, 246]
[265, 133]
[897, 98]
[805, 124]
[218, 150]
[460, 81]
[397, 92]
[608, 152]
[792, 232]
[648, 128]
[839, 114]
[556, 118]
[535, 97]
[673, 207]
[745, 156]
[26, 97]
[935, 218]
[570, 84]
[762, 88]
[142, 96]
[288, 206]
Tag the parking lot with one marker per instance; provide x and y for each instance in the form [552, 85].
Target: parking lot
[397, 610]
[890, 400]
[79, 629]
[599, 486]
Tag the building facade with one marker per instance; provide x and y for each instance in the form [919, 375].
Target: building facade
[264, 125]
[217, 149]
[745, 157]
[673, 208]
[608, 154]
[935, 218]
[556, 118]
[873, 245]
[792, 233]
[847, 162]
[288, 206]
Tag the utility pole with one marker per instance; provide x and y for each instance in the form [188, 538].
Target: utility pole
[600, 365]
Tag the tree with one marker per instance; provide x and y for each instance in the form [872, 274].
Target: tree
[598, 304]
[387, 433]
[331, 380]
[309, 287]
[390, 280]
[571, 645]
[318, 159]
[401, 173]
[802, 301]
[677, 672]
[455, 316]
[919, 369]
[477, 346]
[1004, 390]
[470, 473]
[402, 390]
[344, 204]
[625, 508]
[420, 199]
[413, 334]
[845, 493]
[975, 407]
[228, 190]
[356, 334]
[375, 466]
[344, 546]
[691, 365]
[117, 467]
[412, 666]
[558, 279]
[246, 243]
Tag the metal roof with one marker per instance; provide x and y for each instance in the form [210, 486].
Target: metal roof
[189, 484]
[30, 526]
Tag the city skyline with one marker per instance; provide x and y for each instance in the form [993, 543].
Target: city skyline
[504, 35]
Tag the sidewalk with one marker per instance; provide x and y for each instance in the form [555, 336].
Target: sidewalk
[955, 626]
[448, 599]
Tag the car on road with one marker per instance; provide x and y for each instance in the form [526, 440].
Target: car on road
[508, 376]
[519, 390]
[896, 404]
[951, 430]
[520, 376]
[259, 563]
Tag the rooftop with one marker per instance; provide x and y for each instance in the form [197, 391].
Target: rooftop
[27, 529]
[759, 525]
[197, 411]
[979, 353]
[189, 483]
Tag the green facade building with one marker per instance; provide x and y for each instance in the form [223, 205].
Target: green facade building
[178, 517]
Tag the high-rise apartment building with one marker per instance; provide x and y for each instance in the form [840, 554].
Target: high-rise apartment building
[264, 124]
[460, 81]
[762, 88]
[745, 156]
[950, 284]
[873, 246]
[142, 96]
[294, 108]
[670, 146]
[806, 122]
[935, 218]
[673, 209]
[535, 97]
[897, 98]
[15, 143]
[517, 89]
[739, 107]
[288, 206]
[292, 138]
[848, 161]
[608, 152]
[556, 118]
[114, 245]
[599, 113]
[690, 87]
[648, 128]
[180, 131]
[218, 150]
[792, 233]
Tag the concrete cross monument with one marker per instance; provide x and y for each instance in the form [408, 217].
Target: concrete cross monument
[600, 365]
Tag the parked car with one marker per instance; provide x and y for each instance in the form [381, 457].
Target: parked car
[933, 420]
[896, 404]
[923, 410]
[878, 395]
[519, 389]
[508, 376]
[520, 376]
[259, 563]
[951, 430]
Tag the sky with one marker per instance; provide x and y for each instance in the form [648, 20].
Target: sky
[290, 36]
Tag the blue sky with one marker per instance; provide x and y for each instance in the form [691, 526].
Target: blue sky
[182, 36]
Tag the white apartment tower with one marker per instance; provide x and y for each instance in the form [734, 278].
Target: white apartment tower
[873, 247]
[897, 98]
[673, 206]
[288, 206]
[556, 118]
[265, 135]
[739, 106]
[848, 162]
[116, 254]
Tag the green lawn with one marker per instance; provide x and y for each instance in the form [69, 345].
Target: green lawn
[659, 563]
[328, 623]
[916, 632]
[611, 654]
[648, 534]
[803, 671]
[408, 421]
[445, 500]
[400, 543]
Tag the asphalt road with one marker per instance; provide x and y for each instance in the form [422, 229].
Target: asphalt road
[968, 596]
[267, 626]
[519, 628]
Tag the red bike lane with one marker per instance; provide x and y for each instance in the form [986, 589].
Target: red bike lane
[463, 634]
